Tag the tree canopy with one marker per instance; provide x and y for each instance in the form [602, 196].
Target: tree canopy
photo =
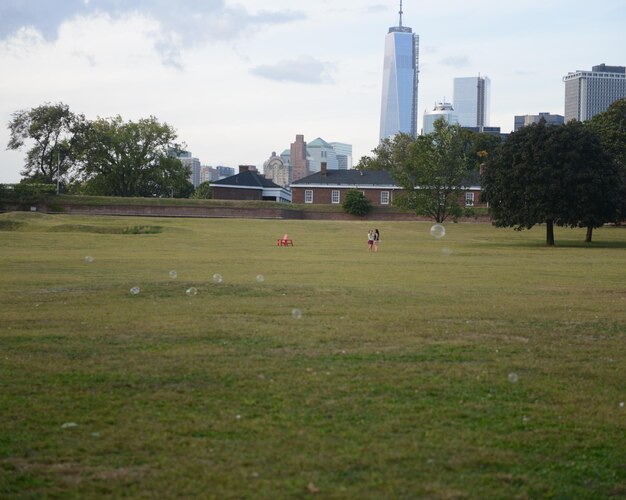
[557, 175]
[431, 169]
[611, 129]
[119, 158]
[356, 203]
[50, 128]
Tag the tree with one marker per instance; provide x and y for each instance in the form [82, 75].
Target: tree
[204, 191]
[131, 159]
[552, 175]
[611, 129]
[431, 169]
[52, 128]
[356, 203]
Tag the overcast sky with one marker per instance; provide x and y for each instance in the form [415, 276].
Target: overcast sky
[239, 79]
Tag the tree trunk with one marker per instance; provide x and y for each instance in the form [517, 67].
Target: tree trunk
[549, 233]
[589, 233]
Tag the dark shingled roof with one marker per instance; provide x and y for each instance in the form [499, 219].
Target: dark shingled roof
[249, 179]
[349, 177]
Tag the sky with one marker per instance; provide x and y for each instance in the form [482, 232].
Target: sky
[239, 79]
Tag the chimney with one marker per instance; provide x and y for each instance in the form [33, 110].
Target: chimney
[243, 168]
[323, 169]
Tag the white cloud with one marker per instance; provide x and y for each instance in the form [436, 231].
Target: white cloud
[304, 69]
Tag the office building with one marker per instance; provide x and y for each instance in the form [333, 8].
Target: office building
[525, 120]
[344, 155]
[588, 93]
[471, 101]
[442, 110]
[319, 151]
[398, 111]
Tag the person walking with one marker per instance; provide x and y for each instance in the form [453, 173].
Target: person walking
[376, 236]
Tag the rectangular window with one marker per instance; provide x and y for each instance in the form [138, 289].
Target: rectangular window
[308, 196]
[384, 197]
[469, 199]
[334, 197]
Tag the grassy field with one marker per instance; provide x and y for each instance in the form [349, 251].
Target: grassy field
[478, 365]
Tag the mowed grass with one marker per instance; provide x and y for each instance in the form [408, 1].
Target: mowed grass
[479, 365]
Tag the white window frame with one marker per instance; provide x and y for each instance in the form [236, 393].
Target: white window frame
[469, 199]
[384, 197]
[308, 196]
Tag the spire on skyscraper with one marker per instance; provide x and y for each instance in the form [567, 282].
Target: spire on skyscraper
[400, 25]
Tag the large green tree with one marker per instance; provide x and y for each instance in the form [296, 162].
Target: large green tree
[431, 169]
[49, 133]
[611, 128]
[131, 159]
[554, 175]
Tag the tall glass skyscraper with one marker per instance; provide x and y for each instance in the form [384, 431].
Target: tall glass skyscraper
[471, 101]
[398, 111]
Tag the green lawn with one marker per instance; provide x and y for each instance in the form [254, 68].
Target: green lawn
[478, 365]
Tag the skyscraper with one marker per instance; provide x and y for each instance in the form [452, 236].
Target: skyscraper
[588, 93]
[471, 101]
[398, 111]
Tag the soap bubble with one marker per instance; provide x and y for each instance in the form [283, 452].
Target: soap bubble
[89, 259]
[260, 278]
[513, 377]
[621, 404]
[446, 251]
[217, 278]
[296, 313]
[69, 425]
[191, 291]
[173, 274]
[135, 290]
[437, 231]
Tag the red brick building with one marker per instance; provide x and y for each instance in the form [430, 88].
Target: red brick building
[330, 186]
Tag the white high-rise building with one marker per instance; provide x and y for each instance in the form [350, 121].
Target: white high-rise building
[588, 93]
[441, 110]
[398, 112]
[472, 101]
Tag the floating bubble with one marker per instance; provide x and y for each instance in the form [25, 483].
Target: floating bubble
[173, 274]
[260, 278]
[89, 259]
[69, 425]
[296, 313]
[135, 290]
[621, 404]
[191, 291]
[217, 278]
[513, 377]
[437, 231]
[446, 251]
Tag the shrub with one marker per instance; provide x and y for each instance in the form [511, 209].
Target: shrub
[356, 203]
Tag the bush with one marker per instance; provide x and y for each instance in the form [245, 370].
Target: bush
[356, 203]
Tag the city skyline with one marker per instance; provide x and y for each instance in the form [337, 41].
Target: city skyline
[237, 81]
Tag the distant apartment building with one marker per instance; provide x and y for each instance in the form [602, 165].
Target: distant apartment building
[525, 120]
[212, 174]
[443, 110]
[277, 170]
[298, 158]
[588, 93]
[472, 101]
[319, 151]
[187, 159]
